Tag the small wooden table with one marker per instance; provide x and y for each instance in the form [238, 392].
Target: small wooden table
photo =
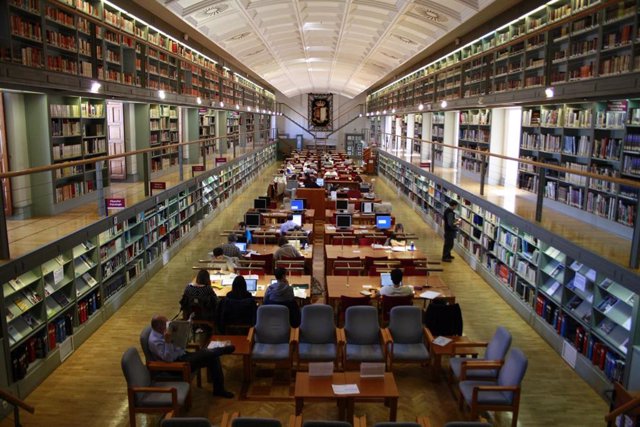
[437, 351]
[319, 388]
[242, 349]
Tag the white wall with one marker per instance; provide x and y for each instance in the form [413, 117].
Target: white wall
[341, 105]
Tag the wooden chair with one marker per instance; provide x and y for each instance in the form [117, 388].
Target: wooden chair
[264, 237]
[388, 302]
[347, 268]
[346, 302]
[267, 259]
[369, 260]
[294, 267]
[250, 266]
[365, 241]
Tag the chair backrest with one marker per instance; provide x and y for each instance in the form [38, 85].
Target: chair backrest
[272, 324]
[369, 260]
[443, 319]
[255, 422]
[389, 302]
[326, 424]
[294, 310]
[236, 313]
[412, 270]
[514, 368]
[135, 372]
[203, 307]
[144, 343]
[405, 324]
[361, 325]
[317, 325]
[268, 261]
[346, 302]
[186, 422]
[499, 344]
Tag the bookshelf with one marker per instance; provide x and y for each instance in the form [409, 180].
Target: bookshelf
[163, 127]
[437, 134]
[96, 40]
[207, 121]
[353, 145]
[569, 295]
[55, 297]
[233, 129]
[587, 137]
[474, 133]
[77, 131]
[417, 133]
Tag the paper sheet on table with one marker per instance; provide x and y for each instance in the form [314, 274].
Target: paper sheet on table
[345, 388]
[430, 294]
[442, 341]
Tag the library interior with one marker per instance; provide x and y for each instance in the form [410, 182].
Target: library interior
[416, 213]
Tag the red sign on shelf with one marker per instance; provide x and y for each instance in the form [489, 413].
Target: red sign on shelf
[425, 164]
[115, 203]
[197, 168]
[158, 185]
[220, 160]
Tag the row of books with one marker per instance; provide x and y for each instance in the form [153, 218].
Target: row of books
[87, 307]
[35, 348]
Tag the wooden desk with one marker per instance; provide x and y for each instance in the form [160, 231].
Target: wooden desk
[438, 351]
[318, 388]
[383, 388]
[331, 204]
[357, 230]
[271, 229]
[279, 216]
[357, 218]
[332, 252]
[242, 349]
[263, 283]
[352, 286]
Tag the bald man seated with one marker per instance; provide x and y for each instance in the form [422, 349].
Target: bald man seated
[162, 349]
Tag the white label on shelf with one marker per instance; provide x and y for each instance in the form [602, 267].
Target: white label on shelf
[115, 220]
[165, 257]
[580, 282]
[553, 288]
[627, 324]
[569, 354]
[58, 275]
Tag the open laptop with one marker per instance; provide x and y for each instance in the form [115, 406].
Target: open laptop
[385, 279]
[252, 285]
[242, 246]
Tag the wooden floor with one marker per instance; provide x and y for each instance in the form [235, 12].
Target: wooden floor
[89, 388]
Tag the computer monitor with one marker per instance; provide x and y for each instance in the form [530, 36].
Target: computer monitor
[297, 205]
[367, 207]
[383, 222]
[320, 182]
[297, 218]
[267, 198]
[260, 204]
[252, 284]
[241, 245]
[252, 219]
[342, 205]
[343, 221]
[385, 279]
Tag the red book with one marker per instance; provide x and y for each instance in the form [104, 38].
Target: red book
[51, 329]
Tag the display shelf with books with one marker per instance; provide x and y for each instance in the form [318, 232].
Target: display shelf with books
[437, 134]
[474, 133]
[163, 127]
[233, 128]
[207, 117]
[98, 268]
[568, 294]
[417, 133]
[589, 137]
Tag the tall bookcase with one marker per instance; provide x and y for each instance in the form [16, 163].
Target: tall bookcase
[163, 126]
[233, 129]
[54, 298]
[207, 122]
[598, 137]
[583, 305]
[474, 133]
[437, 134]
[417, 133]
[94, 39]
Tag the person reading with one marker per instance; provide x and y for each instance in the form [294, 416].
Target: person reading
[286, 250]
[398, 289]
[279, 291]
[394, 241]
[288, 225]
[162, 349]
[229, 249]
[226, 262]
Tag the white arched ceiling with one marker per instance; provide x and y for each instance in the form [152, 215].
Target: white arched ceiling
[334, 46]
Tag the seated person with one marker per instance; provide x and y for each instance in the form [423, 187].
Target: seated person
[199, 298]
[240, 231]
[280, 291]
[218, 256]
[399, 228]
[288, 225]
[229, 249]
[162, 349]
[394, 241]
[310, 181]
[286, 250]
[331, 174]
[239, 289]
[398, 289]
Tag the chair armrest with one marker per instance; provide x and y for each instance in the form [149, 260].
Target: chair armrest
[341, 337]
[429, 337]
[478, 389]
[471, 344]
[386, 336]
[227, 418]
[478, 365]
[295, 421]
[423, 421]
[165, 390]
[294, 337]
[251, 335]
[183, 367]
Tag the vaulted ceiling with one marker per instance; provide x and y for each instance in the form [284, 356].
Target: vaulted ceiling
[333, 46]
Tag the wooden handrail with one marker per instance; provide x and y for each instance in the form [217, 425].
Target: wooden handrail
[623, 181]
[16, 402]
[52, 167]
[622, 409]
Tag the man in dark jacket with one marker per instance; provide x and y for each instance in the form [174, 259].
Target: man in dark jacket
[450, 230]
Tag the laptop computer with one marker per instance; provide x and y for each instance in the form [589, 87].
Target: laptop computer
[385, 279]
[252, 285]
[242, 246]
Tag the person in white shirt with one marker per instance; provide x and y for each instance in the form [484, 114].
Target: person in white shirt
[398, 289]
[331, 174]
[288, 225]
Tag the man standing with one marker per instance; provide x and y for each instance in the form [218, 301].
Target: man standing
[450, 230]
[162, 349]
